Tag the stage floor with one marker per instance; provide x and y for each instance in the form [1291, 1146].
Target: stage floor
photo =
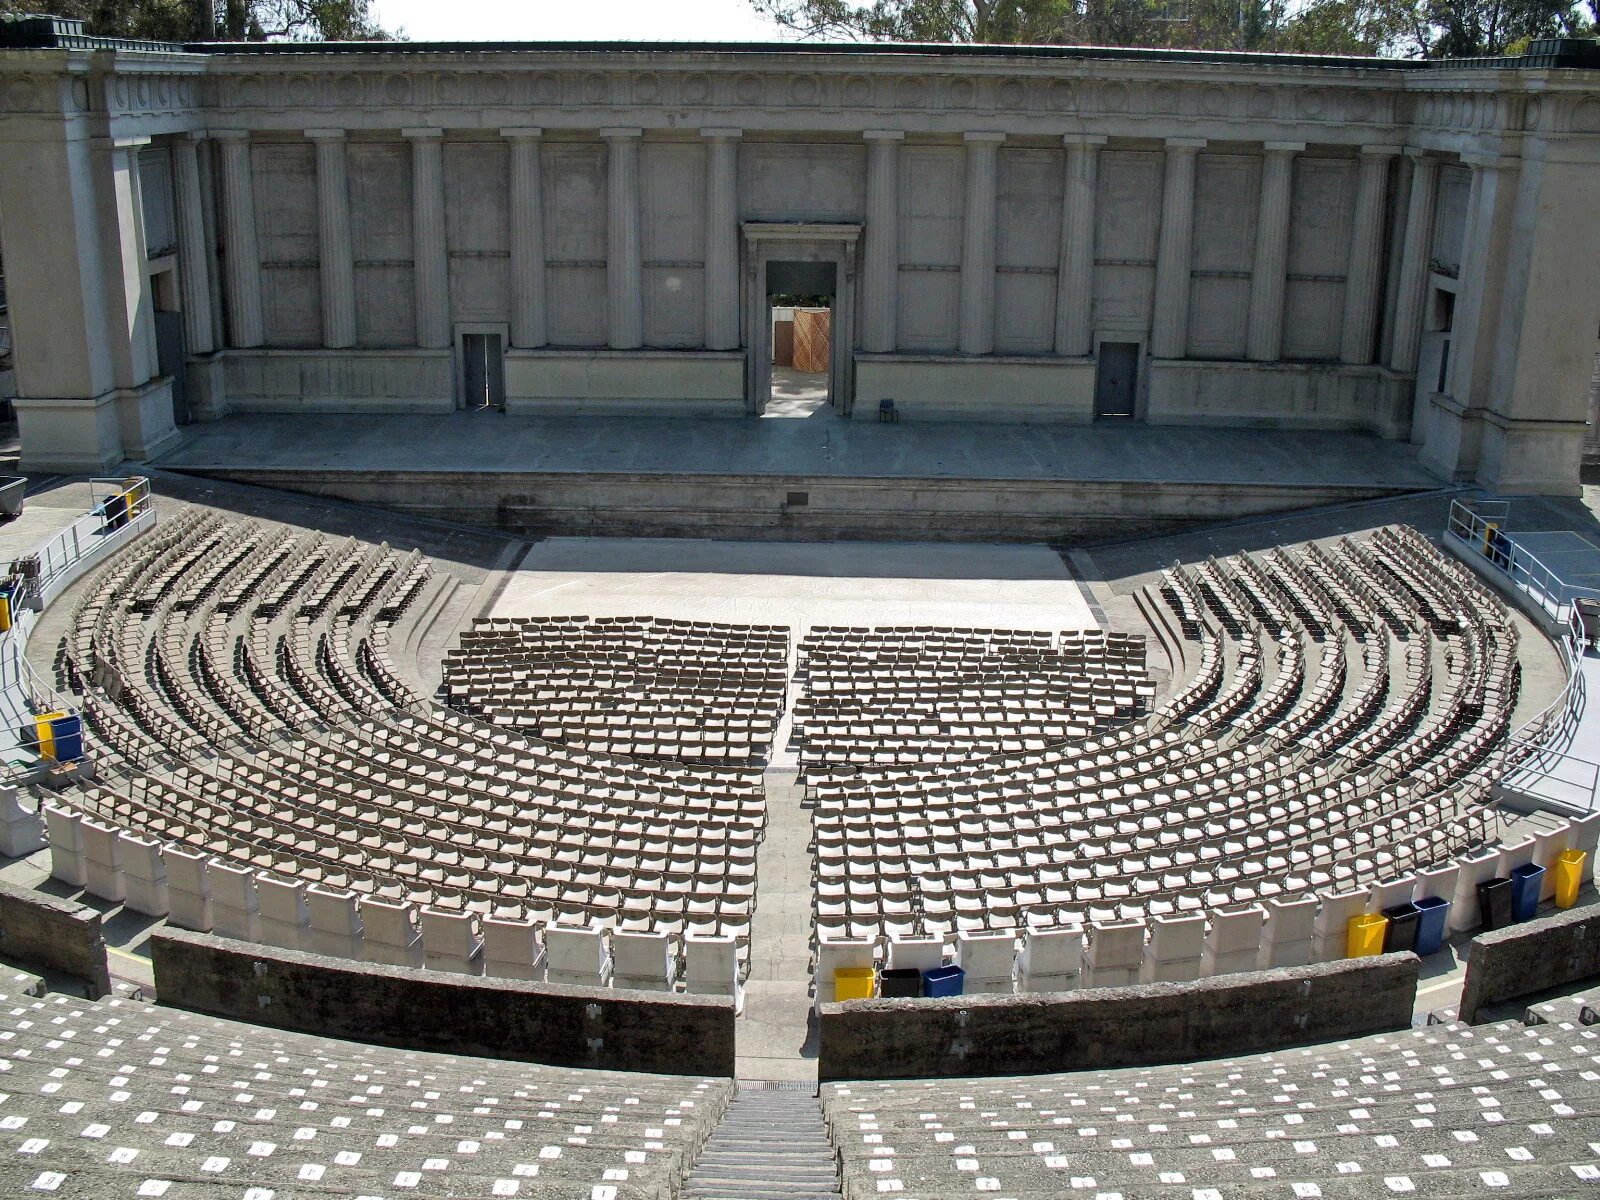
[493, 442]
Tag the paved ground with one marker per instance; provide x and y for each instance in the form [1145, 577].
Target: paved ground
[799, 394]
[492, 441]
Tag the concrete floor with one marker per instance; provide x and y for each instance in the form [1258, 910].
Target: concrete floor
[799, 394]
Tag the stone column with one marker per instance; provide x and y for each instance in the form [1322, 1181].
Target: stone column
[431, 267]
[1412, 291]
[722, 238]
[880, 282]
[528, 326]
[1268, 273]
[241, 256]
[624, 253]
[1075, 268]
[1362, 276]
[977, 243]
[335, 254]
[1169, 332]
[128, 299]
[1479, 256]
[193, 273]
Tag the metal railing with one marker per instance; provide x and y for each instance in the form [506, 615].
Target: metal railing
[1481, 525]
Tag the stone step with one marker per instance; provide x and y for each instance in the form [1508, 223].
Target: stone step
[770, 1145]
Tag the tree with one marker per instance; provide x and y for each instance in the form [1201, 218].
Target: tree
[212, 20]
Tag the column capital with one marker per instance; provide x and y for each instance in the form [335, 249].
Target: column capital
[722, 135]
[522, 133]
[1185, 144]
[613, 133]
[1379, 151]
[195, 135]
[884, 135]
[422, 135]
[1083, 139]
[228, 135]
[1283, 147]
[325, 135]
[982, 138]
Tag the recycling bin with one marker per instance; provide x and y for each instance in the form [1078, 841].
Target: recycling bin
[852, 983]
[1364, 935]
[943, 981]
[1494, 903]
[1527, 881]
[898, 983]
[1433, 920]
[1401, 933]
[1569, 876]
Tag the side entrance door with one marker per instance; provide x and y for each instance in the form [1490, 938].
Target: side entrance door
[1116, 380]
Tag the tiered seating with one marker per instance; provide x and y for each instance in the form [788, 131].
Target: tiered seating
[1445, 1110]
[1347, 711]
[643, 687]
[118, 1098]
[941, 695]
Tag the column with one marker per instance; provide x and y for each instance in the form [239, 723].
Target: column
[129, 303]
[624, 255]
[1268, 273]
[722, 238]
[335, 255]
[431, 267]
[241, 256]
[1366, 241]
[1412, 291]
[880, 282]
[977, 243]
[1169, 332]
[528, 328]
[1075, 269]
[193, 273]
[1482, 201]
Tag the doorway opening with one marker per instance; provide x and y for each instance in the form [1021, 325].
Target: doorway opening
[1116, 381]
[483, 371]
[171, 348]
[800, 309]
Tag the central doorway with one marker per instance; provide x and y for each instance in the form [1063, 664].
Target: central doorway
[800, 300]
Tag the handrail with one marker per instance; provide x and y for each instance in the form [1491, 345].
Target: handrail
[1481, 524]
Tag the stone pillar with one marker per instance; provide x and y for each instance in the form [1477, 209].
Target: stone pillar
[1412, 292]
[1478, 254]
[722, 238]
[528, 326]
[1366, 243]
[335, 254]
[1269, 271]
[129, 303]
[193, 272]
[1169, 332]
[241, 256]
[977, 243]
[1075, 267]
[881, 280]
[431, 268]
[624, 253]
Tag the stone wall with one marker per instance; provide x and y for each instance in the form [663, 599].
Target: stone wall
[598, 1028]
[1531, 957]
[1117, 1027]
[39, 930]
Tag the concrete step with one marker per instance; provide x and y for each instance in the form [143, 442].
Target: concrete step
[770, 1145]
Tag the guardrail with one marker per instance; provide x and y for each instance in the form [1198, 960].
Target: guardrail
[1481, 524]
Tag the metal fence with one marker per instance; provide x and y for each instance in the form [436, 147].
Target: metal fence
[1481, 525]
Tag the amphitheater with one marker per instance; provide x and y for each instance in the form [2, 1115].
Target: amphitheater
[478, 721]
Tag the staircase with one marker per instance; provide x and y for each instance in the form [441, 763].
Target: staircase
[771, 1145]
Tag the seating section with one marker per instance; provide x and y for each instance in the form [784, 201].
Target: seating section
[941, 695]
[1343, 714]
[637, 686]
[119, 1098]
[1445, 1110]
[263, 772]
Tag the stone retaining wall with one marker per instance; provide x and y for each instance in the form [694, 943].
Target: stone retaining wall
[1529, 958]
[40, 930]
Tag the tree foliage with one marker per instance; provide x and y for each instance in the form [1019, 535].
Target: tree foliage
[217, 20]
[1409, 28]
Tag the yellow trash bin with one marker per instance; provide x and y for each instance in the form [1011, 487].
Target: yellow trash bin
[1364, 935]
[852, 983]
[1569, 876]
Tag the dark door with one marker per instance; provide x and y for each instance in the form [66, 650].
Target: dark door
[1116, 379]
[169, 361]
[483, 372]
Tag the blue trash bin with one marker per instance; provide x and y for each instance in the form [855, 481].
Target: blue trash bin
[1527, 881]
[943, 981]
[1432, 924]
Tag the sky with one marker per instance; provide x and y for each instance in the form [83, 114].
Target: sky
[575, 20]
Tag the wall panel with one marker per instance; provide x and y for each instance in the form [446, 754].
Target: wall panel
[672, 189]
[1027, 246]
[1450, 216]
[1226, 202]
[574, 181]
[380, 232]
[932, 180]
[285, 181]
[802, 181]
[1127, 226]
[476, 204]
[1321, 224]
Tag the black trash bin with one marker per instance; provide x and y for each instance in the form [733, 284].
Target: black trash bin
[1401, 933]
[900, 982]
[1494, 903]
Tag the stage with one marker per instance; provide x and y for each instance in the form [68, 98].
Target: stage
[799, 479]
